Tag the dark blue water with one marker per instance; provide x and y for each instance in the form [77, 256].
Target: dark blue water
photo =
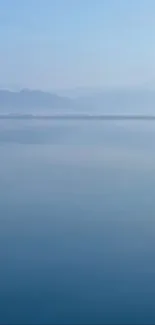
[77, 222]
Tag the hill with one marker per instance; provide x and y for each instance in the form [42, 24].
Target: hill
[110, 102]
[31, 101]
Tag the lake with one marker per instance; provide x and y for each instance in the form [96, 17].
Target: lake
[77, 222]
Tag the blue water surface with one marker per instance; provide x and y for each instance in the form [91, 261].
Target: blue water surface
[77, 222]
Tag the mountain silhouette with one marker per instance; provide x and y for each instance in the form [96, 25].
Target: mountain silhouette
[137, 101]
[28, 101]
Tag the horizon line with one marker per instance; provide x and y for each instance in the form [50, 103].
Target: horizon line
[103, 117]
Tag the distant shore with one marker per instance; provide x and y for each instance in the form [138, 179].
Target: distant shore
[75, 117]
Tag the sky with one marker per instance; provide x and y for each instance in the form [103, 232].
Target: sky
[62, 44]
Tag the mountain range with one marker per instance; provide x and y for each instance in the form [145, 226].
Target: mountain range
[31, 101]
[26, 101]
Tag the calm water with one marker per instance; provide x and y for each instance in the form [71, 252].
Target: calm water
[77, 222]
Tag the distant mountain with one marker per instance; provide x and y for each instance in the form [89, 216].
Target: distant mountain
[137, 101]
[126, 101]
[114, 101]
[31, 101]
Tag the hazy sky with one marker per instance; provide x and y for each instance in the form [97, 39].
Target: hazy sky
[69, 43]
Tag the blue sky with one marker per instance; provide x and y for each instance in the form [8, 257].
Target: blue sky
[54, 44]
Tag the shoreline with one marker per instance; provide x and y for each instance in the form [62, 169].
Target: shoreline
[78, 117]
